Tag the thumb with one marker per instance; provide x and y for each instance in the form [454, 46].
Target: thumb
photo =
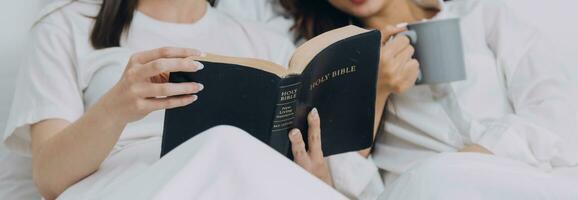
[389, 31]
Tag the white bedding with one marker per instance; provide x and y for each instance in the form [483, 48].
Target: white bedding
[553, 17]
[479, 176]
[557, 20]
[245, 169]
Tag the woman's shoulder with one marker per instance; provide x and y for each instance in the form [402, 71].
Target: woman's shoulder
[267, 42]
[70, 15]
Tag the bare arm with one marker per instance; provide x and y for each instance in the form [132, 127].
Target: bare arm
[64, 153]
[397, 72]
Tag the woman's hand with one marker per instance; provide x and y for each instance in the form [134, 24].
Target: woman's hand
[144, 85]
[398, 71]
[64, 152]
[311, 160]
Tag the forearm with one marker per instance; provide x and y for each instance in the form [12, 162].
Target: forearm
[74, 152]
[64, 153]
[380, 101]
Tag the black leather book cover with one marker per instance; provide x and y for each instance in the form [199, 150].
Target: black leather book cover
[340, 82]
[233, 95]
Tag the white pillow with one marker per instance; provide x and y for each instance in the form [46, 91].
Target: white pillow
[556, 19]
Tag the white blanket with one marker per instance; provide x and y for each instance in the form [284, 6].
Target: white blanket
[221, 163]
[477, 176]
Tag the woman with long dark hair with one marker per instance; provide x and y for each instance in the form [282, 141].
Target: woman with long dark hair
[89, 100]
[512, 120]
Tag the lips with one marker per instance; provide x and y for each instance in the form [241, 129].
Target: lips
[357, 2]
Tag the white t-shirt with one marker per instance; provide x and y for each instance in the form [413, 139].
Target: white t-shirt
[64, 75]
[516, 101]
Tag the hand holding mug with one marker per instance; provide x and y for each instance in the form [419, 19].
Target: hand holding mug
[398, 70]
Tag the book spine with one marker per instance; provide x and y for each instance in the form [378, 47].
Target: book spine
[284, 114]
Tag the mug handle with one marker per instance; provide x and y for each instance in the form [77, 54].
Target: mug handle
[412, 35]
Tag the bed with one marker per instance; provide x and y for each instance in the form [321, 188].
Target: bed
[15, 176]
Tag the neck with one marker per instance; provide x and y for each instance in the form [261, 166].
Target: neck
[175, 11]
[396, 12]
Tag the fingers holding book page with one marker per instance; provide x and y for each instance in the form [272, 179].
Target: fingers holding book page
[144, 86]
[312, 159]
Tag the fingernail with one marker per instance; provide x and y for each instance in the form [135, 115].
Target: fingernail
[203, 54]
[315, 113]
[194, 98]
[201, 86]
[401, 25]
[200, 66]
[295, 132]
[292, 134]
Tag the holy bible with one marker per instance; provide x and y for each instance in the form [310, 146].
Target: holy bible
[335, 72]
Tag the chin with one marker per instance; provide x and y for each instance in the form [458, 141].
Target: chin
[358, 8]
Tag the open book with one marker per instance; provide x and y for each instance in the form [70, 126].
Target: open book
[335, 72]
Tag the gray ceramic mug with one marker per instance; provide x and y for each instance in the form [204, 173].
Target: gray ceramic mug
[439, 50]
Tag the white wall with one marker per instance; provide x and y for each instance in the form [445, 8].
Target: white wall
[15, 19]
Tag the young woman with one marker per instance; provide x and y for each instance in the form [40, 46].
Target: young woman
[88, 106]
[514, 111]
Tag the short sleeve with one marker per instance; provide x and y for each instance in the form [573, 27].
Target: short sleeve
[46, 87]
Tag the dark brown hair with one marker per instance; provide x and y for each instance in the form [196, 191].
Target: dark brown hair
[113, 19]
[313, 17]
